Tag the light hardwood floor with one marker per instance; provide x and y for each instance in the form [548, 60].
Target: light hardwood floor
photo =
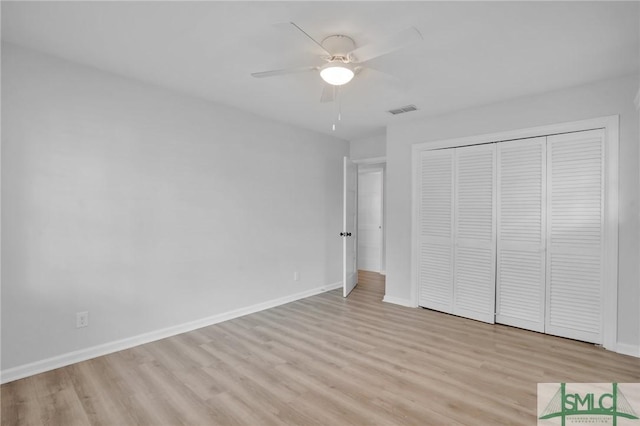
[322, 360]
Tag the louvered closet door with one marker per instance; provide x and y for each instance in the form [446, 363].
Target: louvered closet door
[435, 242]
[475, 244]
[575, 235]
[520, 271]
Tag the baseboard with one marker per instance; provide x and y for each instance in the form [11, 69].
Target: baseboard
[63, 360]
[399, 301]
[627, 349]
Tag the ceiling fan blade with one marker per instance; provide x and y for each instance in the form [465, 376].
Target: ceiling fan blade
[284, 71]
[382, 47]
[319, 49]
[328, 93]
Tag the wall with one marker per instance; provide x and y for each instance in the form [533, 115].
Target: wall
[595, 100]
[149, 209]
[638, 110]
[369, 147]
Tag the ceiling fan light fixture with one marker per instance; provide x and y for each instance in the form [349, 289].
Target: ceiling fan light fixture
[337, 74]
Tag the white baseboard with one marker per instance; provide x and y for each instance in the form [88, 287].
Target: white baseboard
[627, 349]
[399, 301]
[69, 358]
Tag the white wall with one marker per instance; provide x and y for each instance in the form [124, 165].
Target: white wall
[368, 147]
[595, 100]
[637, 103]
[148, 208]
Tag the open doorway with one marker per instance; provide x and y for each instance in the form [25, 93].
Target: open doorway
[371, 226]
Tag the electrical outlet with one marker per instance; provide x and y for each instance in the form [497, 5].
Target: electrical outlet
[82, 319]
[296, 276]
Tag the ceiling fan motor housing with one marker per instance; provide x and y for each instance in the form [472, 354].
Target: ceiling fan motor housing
[338, 45]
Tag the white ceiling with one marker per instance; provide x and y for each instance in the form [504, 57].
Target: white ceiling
[473, 53]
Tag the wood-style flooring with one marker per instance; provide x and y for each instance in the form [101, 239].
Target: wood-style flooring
[324, 360]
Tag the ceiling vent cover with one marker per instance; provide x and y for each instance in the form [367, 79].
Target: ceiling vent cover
[402, 110]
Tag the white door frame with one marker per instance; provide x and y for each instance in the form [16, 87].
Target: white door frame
[610, 124]
[381, 163]
[376, 168]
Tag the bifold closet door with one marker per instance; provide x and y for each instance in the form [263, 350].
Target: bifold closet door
[521, 211]
[575, 207]
[435, 234]
[475, 234]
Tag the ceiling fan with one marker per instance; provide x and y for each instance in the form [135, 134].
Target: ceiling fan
[343, 59]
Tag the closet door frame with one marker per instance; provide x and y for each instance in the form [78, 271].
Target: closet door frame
[610, 124]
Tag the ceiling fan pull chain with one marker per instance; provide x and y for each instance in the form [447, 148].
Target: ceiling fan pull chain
[336, 98]
[339, 102]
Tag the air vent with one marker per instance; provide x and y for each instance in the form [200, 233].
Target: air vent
[402, 110]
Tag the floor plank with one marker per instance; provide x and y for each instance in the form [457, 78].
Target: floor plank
[324, 360]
